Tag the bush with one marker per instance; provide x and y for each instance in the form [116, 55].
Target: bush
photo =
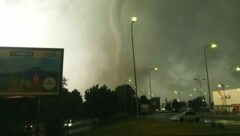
[119, 116]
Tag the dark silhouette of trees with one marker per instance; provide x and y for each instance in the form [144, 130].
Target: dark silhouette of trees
[175, 105]
[54, 110]
[144, 100]
[100, 102]
[51, 115]
[168, 106]
[72, 104]
[197, 103]
[14, 112]
[182, 104]
[125, 99]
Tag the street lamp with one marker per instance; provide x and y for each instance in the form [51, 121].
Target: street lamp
[178, 94]
[134, 19]
[127, 82]
[205, 56]
[152, 69]
[238, 68]
[200, 83]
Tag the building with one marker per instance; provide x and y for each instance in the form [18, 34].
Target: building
[227, 100]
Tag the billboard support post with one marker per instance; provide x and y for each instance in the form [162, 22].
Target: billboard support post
[38, 116]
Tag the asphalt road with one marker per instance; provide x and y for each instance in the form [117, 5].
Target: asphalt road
[226, 119]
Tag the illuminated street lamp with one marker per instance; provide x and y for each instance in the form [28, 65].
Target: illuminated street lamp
[178, 94]
[134, 19]
[129, 80]
[238, 68]
[150, 87]
[205, 56]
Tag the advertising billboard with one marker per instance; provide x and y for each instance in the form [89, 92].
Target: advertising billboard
[30, 71]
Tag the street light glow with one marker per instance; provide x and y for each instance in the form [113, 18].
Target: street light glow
[222, 85]
[134, 19]
[237, 68]
[155, 68]
[213, 45]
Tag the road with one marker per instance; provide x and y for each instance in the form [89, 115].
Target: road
[225, 119]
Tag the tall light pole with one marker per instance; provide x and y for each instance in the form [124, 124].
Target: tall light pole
[125, 94]
[150, 87]
[134, 19]
[200, 83]
[206, 65]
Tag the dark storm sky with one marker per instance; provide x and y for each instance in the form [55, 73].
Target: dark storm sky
[169, 34]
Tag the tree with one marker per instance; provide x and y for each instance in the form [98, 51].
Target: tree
[182, 104]
[197, 103]
[56, 109]
[100, 102]
[14, 113]
[168, 106]
[175, 105]
[125, 99]
[144, 100]
[71, 103]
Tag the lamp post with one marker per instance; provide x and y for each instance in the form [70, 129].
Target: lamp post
[150, 87]
[134, 19]
[200, 84]
[125, 94]
[206, 65]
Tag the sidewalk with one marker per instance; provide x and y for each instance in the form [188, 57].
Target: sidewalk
[226, 116]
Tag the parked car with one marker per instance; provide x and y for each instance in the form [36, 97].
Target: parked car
[186, 116]
[163, 110]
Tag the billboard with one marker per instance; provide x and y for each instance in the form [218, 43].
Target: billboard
[30, 71]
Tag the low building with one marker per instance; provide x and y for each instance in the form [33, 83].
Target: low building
[227, 100]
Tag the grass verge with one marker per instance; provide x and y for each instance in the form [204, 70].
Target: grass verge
[159, 128]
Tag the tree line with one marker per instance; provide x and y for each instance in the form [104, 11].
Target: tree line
[100, 103]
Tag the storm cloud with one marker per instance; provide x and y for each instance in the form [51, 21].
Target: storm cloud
[170, 35]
